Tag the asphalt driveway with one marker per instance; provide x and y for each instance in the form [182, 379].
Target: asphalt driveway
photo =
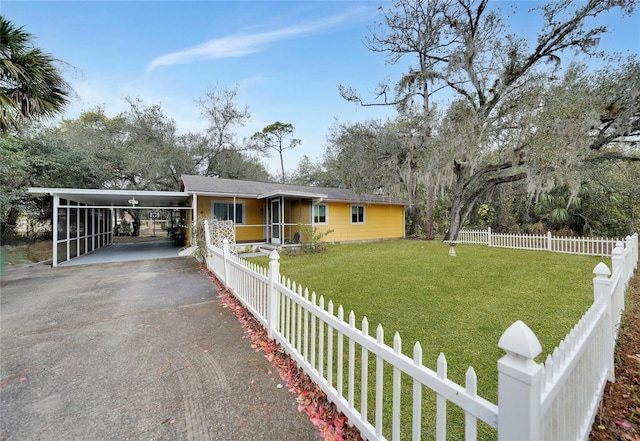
[132, 351]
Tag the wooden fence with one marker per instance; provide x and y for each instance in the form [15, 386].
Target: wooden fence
[592, 246]
[552, 400]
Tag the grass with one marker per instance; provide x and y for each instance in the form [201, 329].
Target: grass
[27, 252]
[456, 305]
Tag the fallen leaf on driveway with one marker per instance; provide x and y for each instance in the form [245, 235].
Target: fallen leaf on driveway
[624, 424]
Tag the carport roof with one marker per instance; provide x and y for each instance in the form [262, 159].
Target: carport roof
[118, 198]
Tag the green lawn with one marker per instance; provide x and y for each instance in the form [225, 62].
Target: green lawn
[456, 305]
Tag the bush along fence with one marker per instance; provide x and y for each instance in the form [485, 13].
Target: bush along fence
[557, 399]
[591, 246]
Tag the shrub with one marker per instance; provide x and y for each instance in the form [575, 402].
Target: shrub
[311, 239]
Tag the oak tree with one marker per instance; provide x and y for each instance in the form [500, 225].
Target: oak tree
[506, 114]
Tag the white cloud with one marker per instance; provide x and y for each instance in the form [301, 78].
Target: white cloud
[245, 44]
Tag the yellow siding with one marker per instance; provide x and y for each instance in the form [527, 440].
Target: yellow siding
[252, 229]
[381, 222]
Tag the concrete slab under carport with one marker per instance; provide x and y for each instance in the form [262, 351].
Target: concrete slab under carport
[127, 252]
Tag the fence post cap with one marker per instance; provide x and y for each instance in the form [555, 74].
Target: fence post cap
[519, 339]
[225, 241]
[602, 271]
[618, 250]
[273, 255]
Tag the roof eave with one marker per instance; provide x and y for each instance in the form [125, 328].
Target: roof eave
[299, 194]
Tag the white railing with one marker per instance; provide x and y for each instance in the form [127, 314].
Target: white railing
[573, 377]
[310, 333]
[552, 400]
[474, 237]
[592, 246]
[247, 281]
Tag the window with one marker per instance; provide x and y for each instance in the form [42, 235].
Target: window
[224, 211]
[357, 214]
[319, 214]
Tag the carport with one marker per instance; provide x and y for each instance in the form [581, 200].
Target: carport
[84, 219]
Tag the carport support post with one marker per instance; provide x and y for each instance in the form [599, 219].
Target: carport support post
[273, 298]
[54, 228]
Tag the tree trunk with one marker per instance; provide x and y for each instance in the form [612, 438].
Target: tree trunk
[414, 218]
[455, 211]
[282, 167]
[135, 214]
[9, 225]
[455, 220]
[429, 223]
[464, 199]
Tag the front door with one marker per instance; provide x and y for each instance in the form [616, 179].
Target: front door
[276, 222]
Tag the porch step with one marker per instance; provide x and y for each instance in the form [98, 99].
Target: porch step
[268, 248]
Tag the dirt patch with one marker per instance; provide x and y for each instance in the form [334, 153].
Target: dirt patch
[40, 251]
[619, 415]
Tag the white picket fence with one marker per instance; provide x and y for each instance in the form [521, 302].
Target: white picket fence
[592, 246]
[554, 400]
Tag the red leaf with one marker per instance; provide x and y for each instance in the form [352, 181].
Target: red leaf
[624, 424]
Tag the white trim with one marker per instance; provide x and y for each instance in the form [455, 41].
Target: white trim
[287, 193]
[194, 218]
[56, 203]
[97, 192]
[326, 214]
[364, 214]
[118, 198]
[235, 204]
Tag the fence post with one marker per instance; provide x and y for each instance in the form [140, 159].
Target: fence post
[619, 266]
[634, 241]
[519, 385]
[629, 265]
[273, 298]
[207, 233]
[489, 241]
[225, 263]
[619, 263]
[207, 241]
[549, 244]
[602, 289]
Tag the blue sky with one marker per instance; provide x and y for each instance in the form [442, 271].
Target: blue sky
[287, 58]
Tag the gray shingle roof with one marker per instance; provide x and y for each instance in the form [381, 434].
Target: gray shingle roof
[254, 189]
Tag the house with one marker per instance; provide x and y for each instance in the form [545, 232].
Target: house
[85, 220]
[271, 212]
